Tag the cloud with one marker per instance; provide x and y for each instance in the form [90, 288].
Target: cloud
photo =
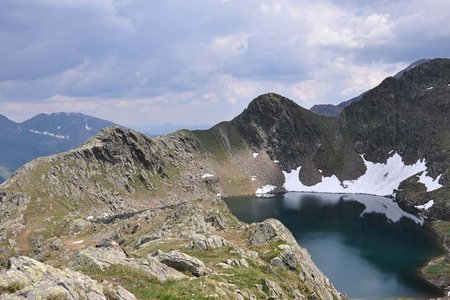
[202, 61]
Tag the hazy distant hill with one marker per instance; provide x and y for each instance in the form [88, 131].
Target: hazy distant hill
[42, 135]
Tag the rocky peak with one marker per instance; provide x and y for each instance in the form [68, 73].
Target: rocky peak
[287, 131]
[269, 103]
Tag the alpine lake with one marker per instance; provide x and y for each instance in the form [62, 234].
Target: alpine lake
[367, 246]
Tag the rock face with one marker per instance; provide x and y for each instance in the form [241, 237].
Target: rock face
[296, 137]
[30, 279]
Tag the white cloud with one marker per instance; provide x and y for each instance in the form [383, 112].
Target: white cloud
[191, 61]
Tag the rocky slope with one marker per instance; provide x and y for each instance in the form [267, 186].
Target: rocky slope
[143, 217]
[43, 134]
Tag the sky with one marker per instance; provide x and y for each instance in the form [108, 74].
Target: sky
[140, 62]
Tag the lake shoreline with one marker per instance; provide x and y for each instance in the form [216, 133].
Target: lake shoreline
[440, 262]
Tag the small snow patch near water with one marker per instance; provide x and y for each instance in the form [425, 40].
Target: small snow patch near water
[267, 189]
[379, 179]
[425, 206]
[207, 175]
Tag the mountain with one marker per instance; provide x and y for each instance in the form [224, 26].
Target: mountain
[134, 211]
[43, 135]
[331, 110]
[127, 213]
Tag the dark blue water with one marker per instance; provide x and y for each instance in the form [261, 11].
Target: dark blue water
[368, 246]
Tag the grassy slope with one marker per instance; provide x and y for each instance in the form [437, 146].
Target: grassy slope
[438, 270]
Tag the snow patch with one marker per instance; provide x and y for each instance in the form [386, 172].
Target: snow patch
[255, 155]
[58, 136]
[430, 88]
[78, 242]
[219, 195]
[88, 128]
[253, 178]
[267, 189]
[379, 179]
[276, 161]
[425, 206]
[207, 175]
[59, 127]
[430, 183]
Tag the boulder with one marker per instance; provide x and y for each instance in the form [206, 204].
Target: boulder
[287, 258]
[201, 242]
[238, 262]
[182, 262]
[160, 270]
[100, 258]
[271, 230]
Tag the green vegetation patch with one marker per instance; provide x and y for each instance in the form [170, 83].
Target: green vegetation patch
[438, 270]
[145, 286]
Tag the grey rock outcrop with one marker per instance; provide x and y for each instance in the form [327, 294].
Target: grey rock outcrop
[201, 242]
[292, 257]
[103, 258]
[30, 279]
[271, 230]
[182, 262]
[100, 258]
[287, 258]
[275, 291]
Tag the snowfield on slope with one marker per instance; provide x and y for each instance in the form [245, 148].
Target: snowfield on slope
[379, 179]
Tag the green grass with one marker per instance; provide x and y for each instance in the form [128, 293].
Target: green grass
[145, 286]
[438, 269]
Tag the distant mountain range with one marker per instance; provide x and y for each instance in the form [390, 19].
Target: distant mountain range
[331, 110]
[42, 135]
